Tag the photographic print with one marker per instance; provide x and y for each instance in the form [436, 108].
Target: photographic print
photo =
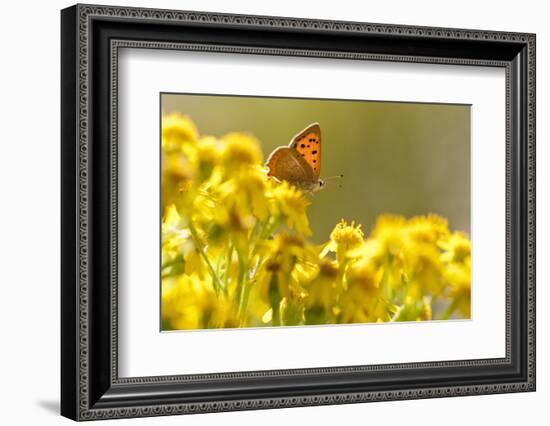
[297, 212]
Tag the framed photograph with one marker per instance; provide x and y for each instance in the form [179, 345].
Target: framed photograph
[263, 212]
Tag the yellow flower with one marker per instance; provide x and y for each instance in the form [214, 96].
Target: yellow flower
[177, 129]
[428, 229]
[347, 236]
[174, 234]
[457, 261]
[247, 188]
[189, 303]
[194, 264]
[208, 151]
[240, 150]
[344, 238]
[425, 269]
[321, 295]
[290, 204]
[410, 247]
[458, 275]
[367, 275]
[292, 308]
[177, 176]
[456, 248]
[390, 231]
[182, 302]
[282, 255]
[364, 299]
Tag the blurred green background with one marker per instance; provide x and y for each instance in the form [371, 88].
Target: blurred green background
[396, 157]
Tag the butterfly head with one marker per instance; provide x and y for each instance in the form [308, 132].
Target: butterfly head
[309, 187]
[321, 183]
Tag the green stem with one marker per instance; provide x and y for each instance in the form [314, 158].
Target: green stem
[200, 247]
[172, 262]
[275, 316]
[244, 302]
[254, 236]
[219, 262]
[243, 287]
[228, 267]
[388, 292]
[449, 311]
[342, 264]
[241, 290]
[177, 263]
[240, 279]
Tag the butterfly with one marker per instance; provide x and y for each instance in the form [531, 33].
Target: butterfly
[299, 163]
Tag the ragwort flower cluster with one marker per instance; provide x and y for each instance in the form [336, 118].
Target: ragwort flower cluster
[235, 251]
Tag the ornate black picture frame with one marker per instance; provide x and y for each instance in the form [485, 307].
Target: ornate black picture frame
[90, 38]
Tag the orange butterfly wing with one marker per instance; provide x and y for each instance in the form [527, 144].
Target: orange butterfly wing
[286, 164]
[308, 145]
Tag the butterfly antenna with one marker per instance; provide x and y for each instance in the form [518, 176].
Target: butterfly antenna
[328, 180]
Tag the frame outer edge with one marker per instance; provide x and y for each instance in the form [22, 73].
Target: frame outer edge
[69, 190]
[531, 201]
[81, 318]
